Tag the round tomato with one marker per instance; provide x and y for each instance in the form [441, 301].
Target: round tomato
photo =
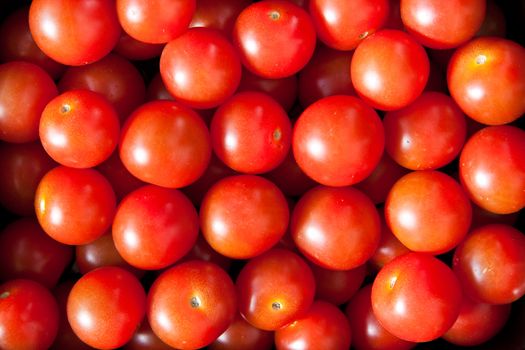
[241, 335]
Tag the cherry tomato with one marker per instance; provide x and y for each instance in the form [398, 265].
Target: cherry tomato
[486, 78]
[106, 306]
[74, 33]
[79, 128]
[136, 50]
[220, 15]
[274, 289]
[243, 216]
[165, 143]
[337, 286]
[241, 335]
[154, 227]
[389, 69]
[416, 297]
[74, 206]
[191, 304]
[275, 38]
[28, 316]
[336, 228]
[325, 133]
[490, 264]
[145, 339]
[324, 326]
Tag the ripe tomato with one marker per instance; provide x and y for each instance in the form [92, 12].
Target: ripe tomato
[490, 264]
[335, 227]
[157, 21]
[145, 339]
[74, 32]
[135, 50]
[486, 77]
[74, 206]
[274, 289]
[154, 227]
[241, 335]
[275, 38]
[492, 169]
[191, 304]
[389, 69]
[79, 128]
[28, 316]
[243, 216]
[343, 24]
[338, 140]
[200, 68]
[324, 326]
[416, 297]
[337, 286]
[106, 306]
[166, 144]
[251, 133]
[220, 15]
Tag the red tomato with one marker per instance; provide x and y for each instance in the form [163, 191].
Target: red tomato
[274, 289]
[157, 21]
[29, 316]
[490, 264]
[154, 227]
[200, 68]
[275, 38]
[336, 228]
[342, 24]
[135, 50]
[74, 206]
[166, 144]
[191, 304]
[27, 252]
[251, 133]
[389, 69]
[325, 133]
[442, 24]
[202, 250]
[219, 15]
[486, 77]
[416, 297]
[492, 169]
[74, 32]
[27, 82]
[243, 216]
[106, 306]
[79, 128]
[337, 286]
[324, 326]
[145, 339]
[428, 211]
[427, 134]
[241, 335]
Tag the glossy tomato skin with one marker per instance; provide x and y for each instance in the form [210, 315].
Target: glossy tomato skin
[23, 166]
[191, 304]
[166, 144]
[427, 134]
[200, 68]
[74, 206]
[79, 128]
[335, 227]
[241, 335]
[71, 41]
[157, 21]
[274, 38]
[274, 289]
[486, 78]
[367, 332]
[343, 24]
[154, 227]
[29, 315]
[442, 25]
[409, 289]
[389, 69]
[490, 264]
[23, 81]
[251, 133]
[428, 211]
[26, 251]
[106, 306]
[325, 133]
[243, 216]
[324, 326]
[492, 169]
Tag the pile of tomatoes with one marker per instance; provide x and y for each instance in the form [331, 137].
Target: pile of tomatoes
[237, 174]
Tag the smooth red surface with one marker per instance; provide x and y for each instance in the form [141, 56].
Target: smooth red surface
[337, 286]
[241, 335]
